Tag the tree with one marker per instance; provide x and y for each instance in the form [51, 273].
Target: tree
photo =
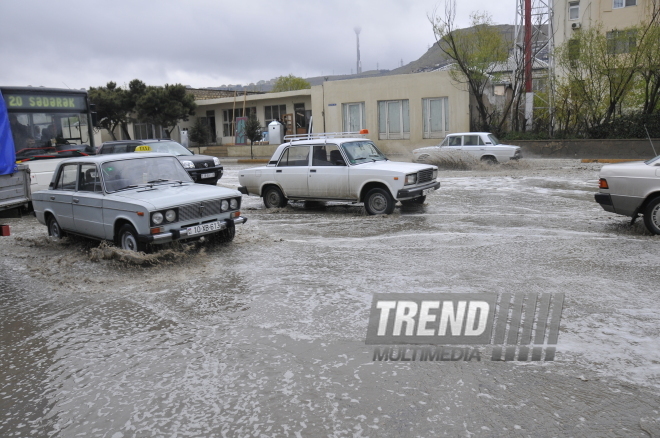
[199, 133]
[290, 83]
[476, 53]
[113, 106]
[253, 131]
[165, 106]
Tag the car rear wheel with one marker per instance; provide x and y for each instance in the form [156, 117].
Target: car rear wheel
[54, 229]
[489, 159]
[273, 198]
[379, 201]
[127, 239]
[652, 215]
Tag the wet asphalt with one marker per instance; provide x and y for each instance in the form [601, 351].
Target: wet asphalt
[265, 336]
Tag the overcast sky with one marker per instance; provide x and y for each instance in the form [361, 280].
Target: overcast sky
[210, 43]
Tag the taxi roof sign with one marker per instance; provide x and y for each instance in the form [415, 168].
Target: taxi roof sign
[143, 148]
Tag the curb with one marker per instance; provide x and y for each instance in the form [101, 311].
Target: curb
[608, 160]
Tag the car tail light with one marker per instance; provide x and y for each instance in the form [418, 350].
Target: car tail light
[602, 183]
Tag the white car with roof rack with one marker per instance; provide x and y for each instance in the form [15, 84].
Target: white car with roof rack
[343, 166]
[482, 145]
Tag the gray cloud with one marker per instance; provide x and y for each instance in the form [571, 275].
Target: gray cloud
[207, 43]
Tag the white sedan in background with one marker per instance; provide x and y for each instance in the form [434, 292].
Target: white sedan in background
[483, 145]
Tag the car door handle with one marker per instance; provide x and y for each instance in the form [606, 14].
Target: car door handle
[312, 170]
[76, 200]
[52, 198]
[278, 171]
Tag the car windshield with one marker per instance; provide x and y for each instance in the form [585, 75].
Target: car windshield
[493, 139]
[169, 147]
[655, 160]
[359, 152]
[126, 174]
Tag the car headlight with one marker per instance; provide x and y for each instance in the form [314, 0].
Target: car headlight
[224, 205]
[188, 164]
[233, 203]
[435, 173]
[411, 179]
[157, 218]
[216, 161]
[170, 215]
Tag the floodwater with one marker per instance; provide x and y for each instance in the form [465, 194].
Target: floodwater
[266, 336]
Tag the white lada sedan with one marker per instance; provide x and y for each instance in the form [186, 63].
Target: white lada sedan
[482, 145]
[631, 189]
[338, 167]
[135, 200]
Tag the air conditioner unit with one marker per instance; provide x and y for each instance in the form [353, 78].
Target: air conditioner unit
[576, 26]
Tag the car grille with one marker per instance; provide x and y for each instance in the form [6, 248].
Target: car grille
[425, 175]
[204, 164]
[193, 211]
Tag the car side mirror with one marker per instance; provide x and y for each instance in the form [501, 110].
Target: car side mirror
[340, 163]
[51, 185]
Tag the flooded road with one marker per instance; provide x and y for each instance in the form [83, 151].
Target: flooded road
[266, 336]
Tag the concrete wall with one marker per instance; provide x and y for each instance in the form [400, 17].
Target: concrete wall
[330, 96]
[626, 149]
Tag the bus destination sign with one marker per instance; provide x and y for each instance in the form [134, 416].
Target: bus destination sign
[44, 101]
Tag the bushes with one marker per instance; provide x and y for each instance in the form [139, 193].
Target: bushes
[629, 126]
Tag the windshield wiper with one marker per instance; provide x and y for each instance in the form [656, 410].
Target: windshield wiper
[157, 180]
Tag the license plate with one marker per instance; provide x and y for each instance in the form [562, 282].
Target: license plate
[207, 175]
[204, 228]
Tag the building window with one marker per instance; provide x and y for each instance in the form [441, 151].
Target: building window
[621, 41]
[573, 10]
[143, 131]
[273, 112]
[624, 3]
[573, 51]
[353, 115]
[436, 117]
[393, 120]
[228, 118]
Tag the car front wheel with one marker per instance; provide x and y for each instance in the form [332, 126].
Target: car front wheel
[652, 216]
[54, 229]
[226, 235]
[127, 239]
[273, 198]
[379, 201]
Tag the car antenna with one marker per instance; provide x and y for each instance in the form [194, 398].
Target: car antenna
[649, 137]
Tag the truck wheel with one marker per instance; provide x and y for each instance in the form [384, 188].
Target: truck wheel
[652, 215]
[54, 229]
[379, 201]
[418, 200]
[128, 239]
[273, 198]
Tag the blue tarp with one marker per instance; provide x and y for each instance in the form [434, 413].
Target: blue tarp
[7, 151]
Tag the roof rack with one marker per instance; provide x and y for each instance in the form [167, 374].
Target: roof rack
[325, 135]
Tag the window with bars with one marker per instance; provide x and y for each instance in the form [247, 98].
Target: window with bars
[142, 131]
[621, 41]
[273, 112]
